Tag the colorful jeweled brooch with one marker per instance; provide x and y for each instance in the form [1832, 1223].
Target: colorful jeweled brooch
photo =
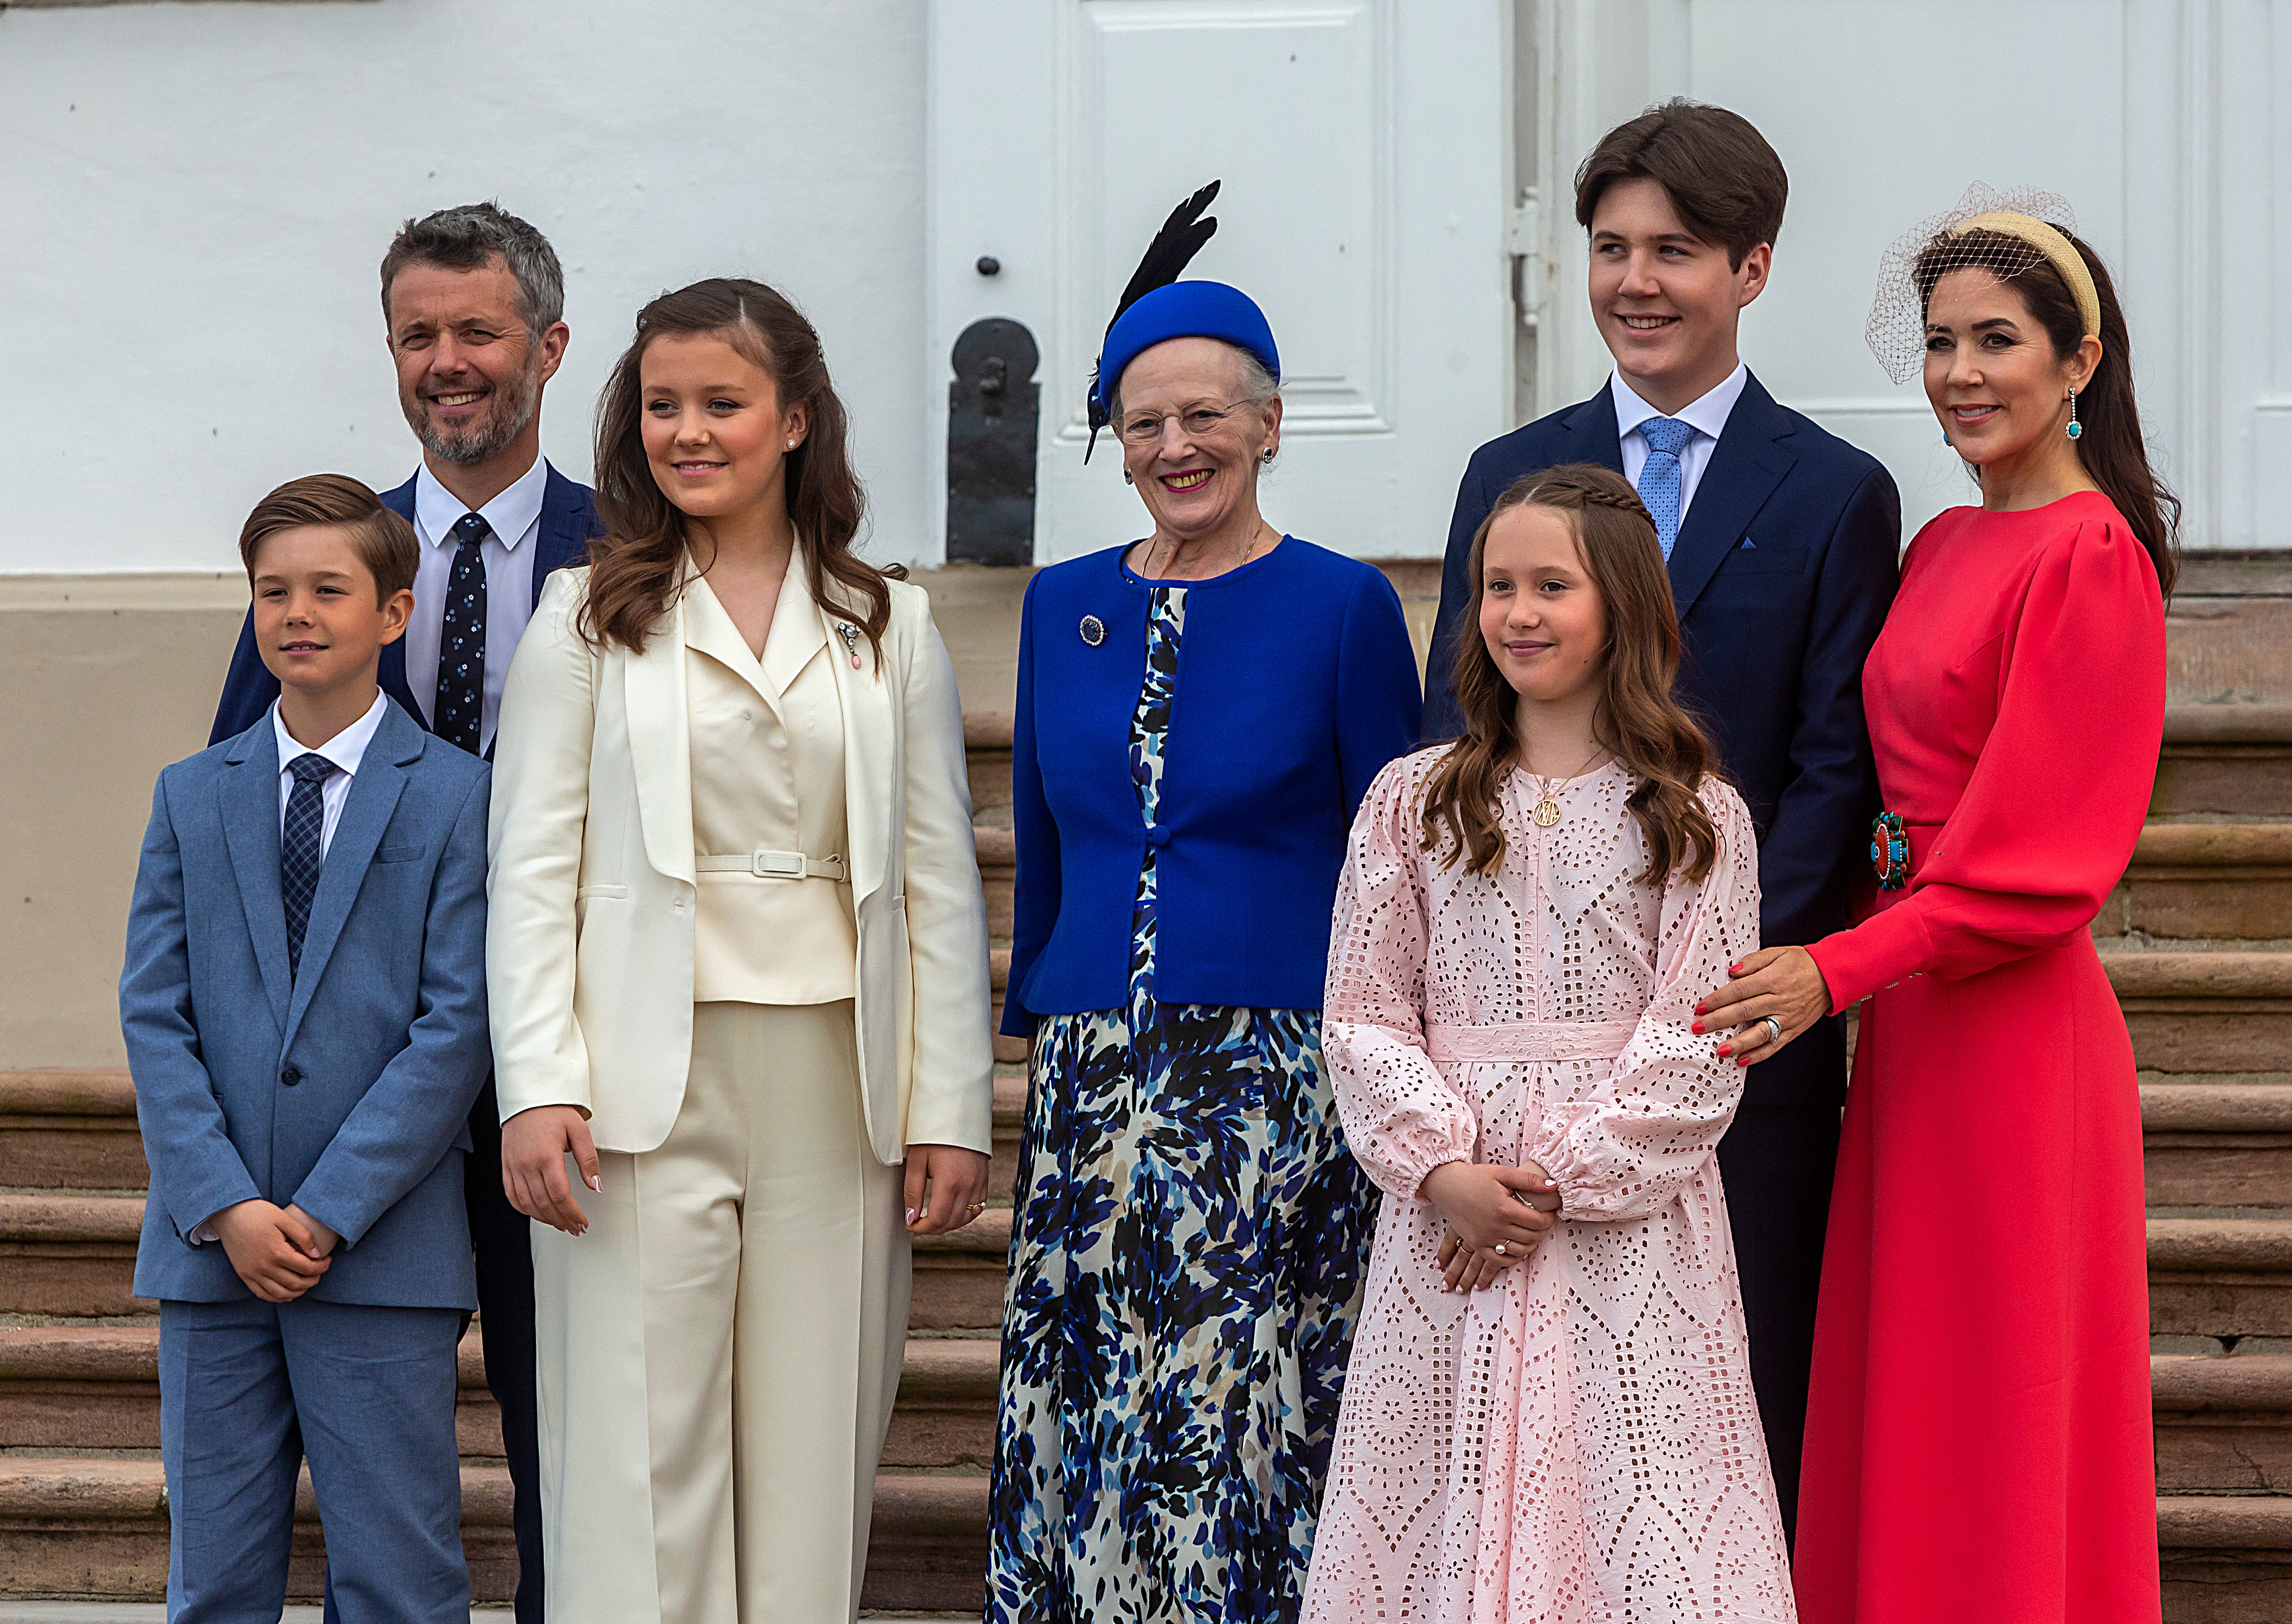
[1890, 851]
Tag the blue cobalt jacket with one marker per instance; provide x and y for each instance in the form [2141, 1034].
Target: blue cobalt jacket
[569, 520]
[346, 1090]
[1297, 683]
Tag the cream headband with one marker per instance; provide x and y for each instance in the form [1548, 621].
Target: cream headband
[1950, 241]
[2059, 252]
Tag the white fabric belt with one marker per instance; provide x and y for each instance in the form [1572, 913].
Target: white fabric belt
[773, 865]
[1529, 1041]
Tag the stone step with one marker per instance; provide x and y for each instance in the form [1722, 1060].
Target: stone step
[76, 1130]
[2217, 1144]
[82, 1387]
[67, 1254]
[2217, 1011]
[2220, 1277]
[2216, 881]
[82, 1526]
[2227, 761]
[2223, 1425]
[2225, 1559]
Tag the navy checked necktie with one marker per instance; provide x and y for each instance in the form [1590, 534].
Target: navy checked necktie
[1662, 480]
[302, 852]
[461, 703]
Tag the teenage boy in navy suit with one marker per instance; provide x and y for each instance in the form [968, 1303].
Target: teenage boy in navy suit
[1782, 542]
[305, 1007]
[473, 299]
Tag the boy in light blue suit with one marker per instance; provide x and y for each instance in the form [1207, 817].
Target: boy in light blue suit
[304, 1009]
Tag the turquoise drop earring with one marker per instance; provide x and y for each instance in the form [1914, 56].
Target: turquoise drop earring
[2074, 431]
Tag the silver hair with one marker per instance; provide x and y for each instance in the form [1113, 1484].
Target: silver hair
[467, 237]
[1258, 385]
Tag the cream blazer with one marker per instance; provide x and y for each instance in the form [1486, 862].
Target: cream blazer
[589, 943]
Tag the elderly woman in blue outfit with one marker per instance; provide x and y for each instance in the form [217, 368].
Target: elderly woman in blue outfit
[1200, 713]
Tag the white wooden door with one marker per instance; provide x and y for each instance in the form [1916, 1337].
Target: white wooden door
[1363, 144]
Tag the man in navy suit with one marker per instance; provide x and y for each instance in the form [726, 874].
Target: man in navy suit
[473, 300]
[1783, 544]
[304, 1009]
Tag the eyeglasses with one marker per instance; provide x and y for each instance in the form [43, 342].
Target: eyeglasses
[1145, 428]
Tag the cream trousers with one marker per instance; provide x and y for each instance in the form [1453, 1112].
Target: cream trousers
[720, 1353]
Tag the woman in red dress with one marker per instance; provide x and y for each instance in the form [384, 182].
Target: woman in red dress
[1978, 1440]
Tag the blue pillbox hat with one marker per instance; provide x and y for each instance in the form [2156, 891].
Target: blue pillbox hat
[1183, 309]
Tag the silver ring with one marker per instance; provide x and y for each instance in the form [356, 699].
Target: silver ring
[1774, 1028]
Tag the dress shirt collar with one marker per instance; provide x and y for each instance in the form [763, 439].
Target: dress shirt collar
[511, 514]
[1706, 415]
[345, 749]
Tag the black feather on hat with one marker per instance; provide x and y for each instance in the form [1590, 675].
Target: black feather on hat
[1173, 249]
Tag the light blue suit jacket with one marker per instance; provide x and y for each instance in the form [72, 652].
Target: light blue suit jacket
[345, 1090]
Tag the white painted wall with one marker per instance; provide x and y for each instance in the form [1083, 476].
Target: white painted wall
[194, 200]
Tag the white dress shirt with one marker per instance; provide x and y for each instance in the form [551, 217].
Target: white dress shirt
[515, 517]
[1707, 416]
[345, 749]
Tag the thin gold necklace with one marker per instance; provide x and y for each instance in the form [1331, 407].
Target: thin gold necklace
[1548, 808]
[1240, 558]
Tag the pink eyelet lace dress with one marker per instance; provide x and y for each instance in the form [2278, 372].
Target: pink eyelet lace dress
[1578, 1442]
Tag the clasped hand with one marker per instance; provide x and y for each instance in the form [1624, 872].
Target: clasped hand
[1487, 1206]
[280, 1252]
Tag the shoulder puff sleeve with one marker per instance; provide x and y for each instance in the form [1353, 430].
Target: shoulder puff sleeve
[1626, 1148]
[2054, 804]
[540, 810]
[1401, 1118]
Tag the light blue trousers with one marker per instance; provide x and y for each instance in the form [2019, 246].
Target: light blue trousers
[246, 1390]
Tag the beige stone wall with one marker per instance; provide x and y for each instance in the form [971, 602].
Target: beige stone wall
[104, 681]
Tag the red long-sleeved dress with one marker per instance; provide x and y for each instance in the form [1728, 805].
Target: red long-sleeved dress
[1978, 1440]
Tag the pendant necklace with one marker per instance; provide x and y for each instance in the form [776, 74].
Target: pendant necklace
[1548, 808]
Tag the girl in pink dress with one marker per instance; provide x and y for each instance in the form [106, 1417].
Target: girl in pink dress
[1548, 1416]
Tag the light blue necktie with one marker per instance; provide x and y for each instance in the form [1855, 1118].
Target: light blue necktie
[1662, 480]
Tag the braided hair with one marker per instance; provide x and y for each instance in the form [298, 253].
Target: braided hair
[1638, 720]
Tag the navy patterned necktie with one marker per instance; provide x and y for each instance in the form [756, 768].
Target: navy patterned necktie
[1662, 480]
[302, 849]
[461, 702]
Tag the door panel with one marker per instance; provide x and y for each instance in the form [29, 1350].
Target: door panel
[1363, 146]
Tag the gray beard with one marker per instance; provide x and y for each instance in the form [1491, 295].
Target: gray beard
[514, 408]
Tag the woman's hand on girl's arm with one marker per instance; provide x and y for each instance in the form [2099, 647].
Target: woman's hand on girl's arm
[945, 1187]
[1782, 982]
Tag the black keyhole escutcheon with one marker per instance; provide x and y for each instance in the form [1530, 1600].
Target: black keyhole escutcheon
[992, 411]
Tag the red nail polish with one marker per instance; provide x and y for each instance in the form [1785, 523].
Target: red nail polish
[1724, 1050]
[1700, 1009]
[1697, 1028]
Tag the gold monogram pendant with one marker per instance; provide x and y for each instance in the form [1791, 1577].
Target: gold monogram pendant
[1548, 812]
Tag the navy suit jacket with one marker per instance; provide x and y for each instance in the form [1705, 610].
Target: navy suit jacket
[1296, 684]
[346, 1089]
[1782, 575]
[569, 521]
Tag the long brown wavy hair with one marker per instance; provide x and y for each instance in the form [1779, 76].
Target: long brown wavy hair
[2110, 443]
[637, 568]
[1638, 720]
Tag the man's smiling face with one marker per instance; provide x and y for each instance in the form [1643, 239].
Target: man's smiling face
[469, 373]
[1666, 300]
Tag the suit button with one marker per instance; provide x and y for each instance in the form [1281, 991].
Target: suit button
[1156, 836]
[290, 1076]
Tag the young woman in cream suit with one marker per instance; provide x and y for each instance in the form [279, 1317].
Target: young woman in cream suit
[738, 962]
